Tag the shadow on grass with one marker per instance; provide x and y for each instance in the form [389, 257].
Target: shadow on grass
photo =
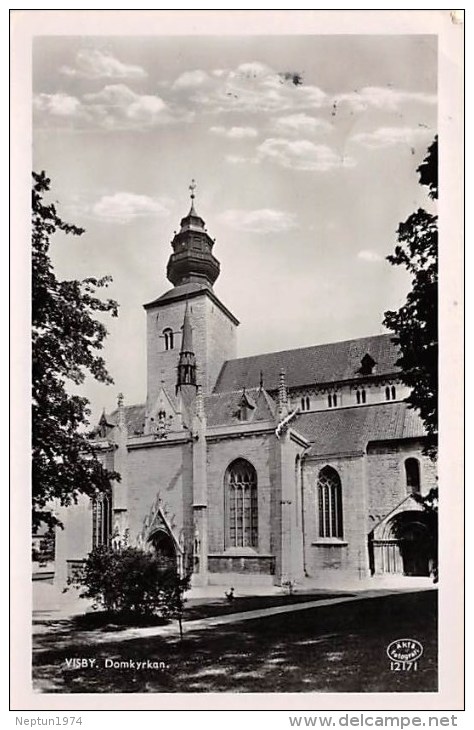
[339, 648]
[197, 608]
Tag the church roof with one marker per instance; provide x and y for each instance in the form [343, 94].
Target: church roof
[223, 408]
[329, 363]
[189, 291]
[349, 430]
[134, 418]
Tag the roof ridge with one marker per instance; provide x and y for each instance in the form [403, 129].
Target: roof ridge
[235, 392]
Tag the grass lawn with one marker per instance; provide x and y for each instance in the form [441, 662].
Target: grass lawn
[338, 648]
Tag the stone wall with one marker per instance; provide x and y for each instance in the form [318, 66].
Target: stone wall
[214, 342]
[259, 451]
[349, 554]
[387, 477]
[163, 469]
[221, 342]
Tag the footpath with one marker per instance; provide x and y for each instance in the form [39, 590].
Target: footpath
[64, 638]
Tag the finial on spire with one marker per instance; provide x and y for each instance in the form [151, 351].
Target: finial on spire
[192, 188]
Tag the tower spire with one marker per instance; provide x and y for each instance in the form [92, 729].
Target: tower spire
[192, 188]
[187, 358]
[192, 259]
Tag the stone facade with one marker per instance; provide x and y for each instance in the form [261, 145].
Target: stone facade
[245, 471]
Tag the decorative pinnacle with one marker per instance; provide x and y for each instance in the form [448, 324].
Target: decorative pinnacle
[192, 188]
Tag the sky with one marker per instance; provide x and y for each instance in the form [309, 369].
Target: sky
[304, 150]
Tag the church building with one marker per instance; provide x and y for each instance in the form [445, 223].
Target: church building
[269, 469]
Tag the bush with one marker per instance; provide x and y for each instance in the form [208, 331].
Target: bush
[131, 581]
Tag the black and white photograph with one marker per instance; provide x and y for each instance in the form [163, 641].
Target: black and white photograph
[235, 450]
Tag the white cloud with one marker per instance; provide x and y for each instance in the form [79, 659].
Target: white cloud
[116, 106]
[382, 98]
[251, 87]
[192, 79]
[264, 220]
[368, 255]
[125, 207]
[390, 136]
[301, 124]
[94, 64]
[234, 132]
[61, 105]
[301, 155]
[238, 159]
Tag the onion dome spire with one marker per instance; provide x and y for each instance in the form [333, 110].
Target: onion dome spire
[192, 259]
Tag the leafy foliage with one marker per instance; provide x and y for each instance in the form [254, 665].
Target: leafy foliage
[131, 581]
[66, 338]
[415, 324]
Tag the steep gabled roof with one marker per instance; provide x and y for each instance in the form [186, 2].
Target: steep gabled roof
[349, 430]
[334, 362]
[222, 409]
[134, 418]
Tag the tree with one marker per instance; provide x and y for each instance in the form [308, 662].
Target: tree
[66, 338]
[415, 324]
[131, 583]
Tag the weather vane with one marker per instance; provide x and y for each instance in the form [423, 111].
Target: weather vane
[192, 188]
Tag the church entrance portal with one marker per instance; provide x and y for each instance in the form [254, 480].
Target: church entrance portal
[405, 547]
[164, 549]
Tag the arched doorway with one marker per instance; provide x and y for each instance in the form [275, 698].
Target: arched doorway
[414, 542]
[403, 544]
[163, 547]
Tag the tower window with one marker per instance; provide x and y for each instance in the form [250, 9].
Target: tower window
[390, 392]
[329, 503]
[393, 392]
[241, 504]
[412, 474]
[168, 336]
[332, 400]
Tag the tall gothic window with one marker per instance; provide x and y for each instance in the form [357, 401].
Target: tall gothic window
[169, 338]
[412, 473]
[101, 520]
[329, 503]
[241, 505]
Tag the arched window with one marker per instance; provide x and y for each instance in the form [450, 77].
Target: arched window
[361, 396]
[393, 392]
[329, 503]
[241, 505]
[307, 403]
[169, 338]
[101, 520]
[412, 473]
[387, 393]
[330, 400]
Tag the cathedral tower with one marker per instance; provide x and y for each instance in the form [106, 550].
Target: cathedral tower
[192, 269]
